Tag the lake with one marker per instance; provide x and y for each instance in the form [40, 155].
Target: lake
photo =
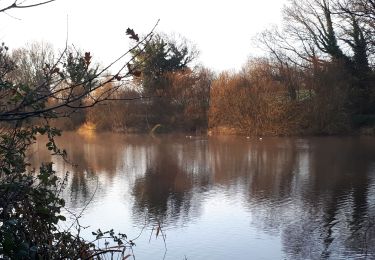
[224, 197]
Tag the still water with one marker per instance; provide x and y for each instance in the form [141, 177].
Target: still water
[225, 197]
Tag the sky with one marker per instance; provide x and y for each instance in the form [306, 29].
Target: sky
[221, 30]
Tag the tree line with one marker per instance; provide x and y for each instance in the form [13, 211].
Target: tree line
[316, 77]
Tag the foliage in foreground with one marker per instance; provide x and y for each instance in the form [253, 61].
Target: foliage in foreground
[31, 207]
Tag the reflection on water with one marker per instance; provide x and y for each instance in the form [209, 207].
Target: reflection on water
[227, 197]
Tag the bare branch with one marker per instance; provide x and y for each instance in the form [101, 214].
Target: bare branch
[15, 5]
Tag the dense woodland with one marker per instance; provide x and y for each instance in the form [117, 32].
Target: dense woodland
[317, 76]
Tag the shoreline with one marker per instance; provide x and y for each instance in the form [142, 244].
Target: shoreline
[365, 131]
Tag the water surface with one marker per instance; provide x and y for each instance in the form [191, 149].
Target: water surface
[225, 197]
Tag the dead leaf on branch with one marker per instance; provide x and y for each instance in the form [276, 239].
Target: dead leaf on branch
[87, 58]
[132, 34]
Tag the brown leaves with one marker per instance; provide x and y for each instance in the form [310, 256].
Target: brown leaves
[87, 58]
[132, 34]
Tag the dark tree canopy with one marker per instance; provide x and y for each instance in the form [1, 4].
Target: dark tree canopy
[160, 56]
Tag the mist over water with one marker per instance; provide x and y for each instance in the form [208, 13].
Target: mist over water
[225, 197]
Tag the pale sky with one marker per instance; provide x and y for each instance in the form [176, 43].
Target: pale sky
[221, 30]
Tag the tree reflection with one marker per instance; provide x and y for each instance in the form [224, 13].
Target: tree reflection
[314, 193]
[87, 159]
[336, 199]
[163, 194]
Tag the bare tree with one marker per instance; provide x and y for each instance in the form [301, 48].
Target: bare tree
[70, 79]
[318, 32]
